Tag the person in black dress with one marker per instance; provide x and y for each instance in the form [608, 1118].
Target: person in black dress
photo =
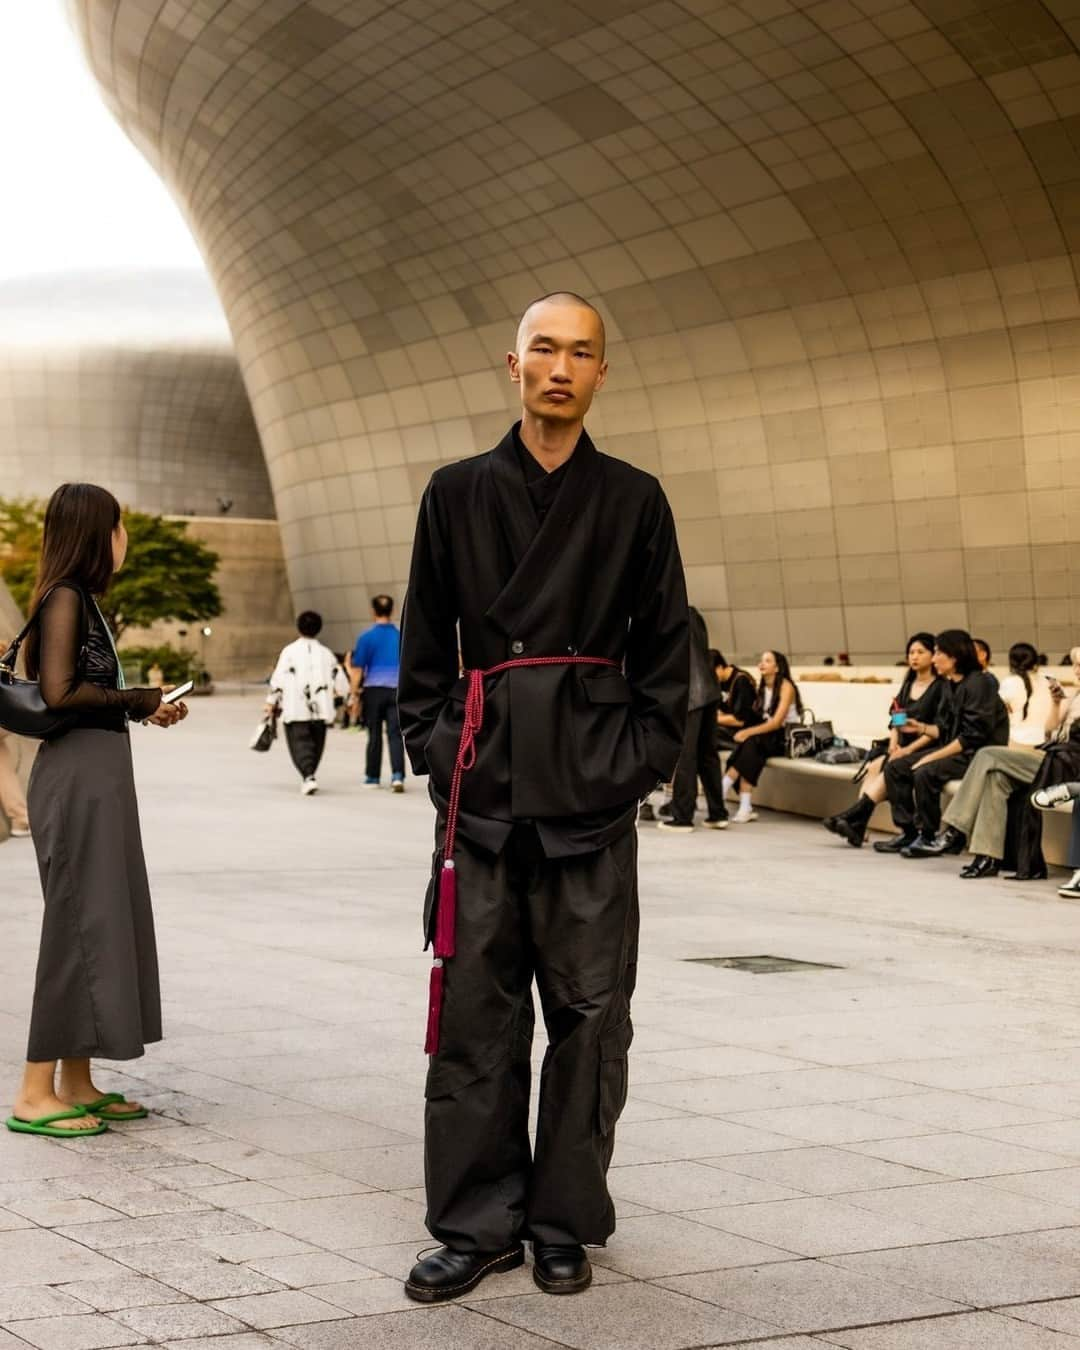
[96, 994]
[913, 717]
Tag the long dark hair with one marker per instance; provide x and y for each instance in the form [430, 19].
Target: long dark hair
[76, 545]
[1023, 658]
[957, 643]
[924, 640]
[783, 672]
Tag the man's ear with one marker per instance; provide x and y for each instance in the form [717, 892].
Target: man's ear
[514, 366]
[602, 377]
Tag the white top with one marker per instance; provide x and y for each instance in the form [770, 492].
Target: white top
[1029, 730]
[305, 680]
[793, 714]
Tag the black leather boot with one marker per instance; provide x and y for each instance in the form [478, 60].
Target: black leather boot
[896, 844]
[981, 866]
[447, 1274]
[561, 1270]
[948, 840]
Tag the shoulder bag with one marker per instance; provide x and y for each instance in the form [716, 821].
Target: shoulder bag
[23, 710]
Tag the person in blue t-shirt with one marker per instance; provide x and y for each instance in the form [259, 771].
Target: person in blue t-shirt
[375, 664]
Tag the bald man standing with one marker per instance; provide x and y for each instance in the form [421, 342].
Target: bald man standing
[554, 570]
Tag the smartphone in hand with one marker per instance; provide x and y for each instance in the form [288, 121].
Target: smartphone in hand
[174, 695]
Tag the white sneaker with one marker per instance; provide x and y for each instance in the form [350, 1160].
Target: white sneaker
[743, 816]
[1071, 889]
[397, 785]
[308, 787]
[672, 828]
[20, 831]
[1046, 798]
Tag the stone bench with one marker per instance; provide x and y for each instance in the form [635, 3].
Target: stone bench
[803, 787]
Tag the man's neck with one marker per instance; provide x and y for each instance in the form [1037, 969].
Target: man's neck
[550, 443]
[379, 619]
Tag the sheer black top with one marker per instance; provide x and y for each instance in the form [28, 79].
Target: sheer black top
[928, 707]
[77, 666]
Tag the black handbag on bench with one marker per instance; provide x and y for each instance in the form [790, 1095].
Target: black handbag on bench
[23, 710]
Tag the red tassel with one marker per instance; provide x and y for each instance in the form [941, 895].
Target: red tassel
[446, 915]
[435, 997]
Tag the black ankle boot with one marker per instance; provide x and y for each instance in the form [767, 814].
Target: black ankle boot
[447, 1274]
[948, 840]
[561, 1269]
[981, 866]
[897, 843]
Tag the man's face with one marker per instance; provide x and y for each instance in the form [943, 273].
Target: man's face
[560, 362]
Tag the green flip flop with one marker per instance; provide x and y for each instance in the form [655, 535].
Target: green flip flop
[44, 1125]
[115, 1099]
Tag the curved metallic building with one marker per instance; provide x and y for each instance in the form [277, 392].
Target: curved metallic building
[132, 380]
[836, 240]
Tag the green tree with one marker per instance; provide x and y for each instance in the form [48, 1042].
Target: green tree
[167, 575]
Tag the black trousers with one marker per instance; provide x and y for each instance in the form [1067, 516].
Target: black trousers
[699, 759]
[306, 742]
[572, 925]
[380, 708]
[748, 759]
[915, 794]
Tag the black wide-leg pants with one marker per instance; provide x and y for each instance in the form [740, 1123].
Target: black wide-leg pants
[915, 793]
[306, 742]
[699, 759]
[572, 925]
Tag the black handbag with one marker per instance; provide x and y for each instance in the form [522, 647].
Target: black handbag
[23, 710]
[808, 736]
[265, 734]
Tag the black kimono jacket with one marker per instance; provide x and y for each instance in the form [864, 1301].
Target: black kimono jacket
[973, 714]
[601, 576]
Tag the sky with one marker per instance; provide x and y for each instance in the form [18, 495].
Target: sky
[77, 196]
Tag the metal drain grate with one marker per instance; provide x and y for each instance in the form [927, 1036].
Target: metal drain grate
[760, 965]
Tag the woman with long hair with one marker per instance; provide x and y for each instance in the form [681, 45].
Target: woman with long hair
[778, 703]
[972, 717]
[978, 816]
[912, 725]
[96, 994]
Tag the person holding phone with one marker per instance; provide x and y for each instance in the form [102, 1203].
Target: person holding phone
[96, 994]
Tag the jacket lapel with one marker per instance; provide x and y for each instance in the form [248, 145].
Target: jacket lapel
[536, 551]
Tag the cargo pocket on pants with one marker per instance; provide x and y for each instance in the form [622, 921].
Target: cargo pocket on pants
[614, 1075]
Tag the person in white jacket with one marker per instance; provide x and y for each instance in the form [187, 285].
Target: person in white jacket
[302, 689]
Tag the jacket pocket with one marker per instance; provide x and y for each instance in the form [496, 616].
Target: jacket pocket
[614, 1075]
[608, 688]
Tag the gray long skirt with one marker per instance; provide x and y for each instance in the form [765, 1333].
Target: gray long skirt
[97, 993]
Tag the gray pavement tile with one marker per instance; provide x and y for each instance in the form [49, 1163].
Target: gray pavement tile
[983, 1272]
[963, 1209]
[238, 1195]
[289, 1136]
[823, 1171]
[828, 1123]
[1061, 1185]
[291, 1307]
[1057, 1314]
[810, 1295]
[674, 1187]
[160, 1228]
[627, 1317]
[990, 1070]
[718, 1096]
[691, 1137]
[40, 1301]
[244, 1160]
[958, 1111]
[384, 1169]
[123, 1291]
[787, 1343]
[243, 1340]
[319, 1185]
[363, 1298]
[1061, 1137]
[414, 1328]
[817, 1226]
[255, 1246]
[178, 1321]
[707, 1061]
[26, 1159]
[970, 1331]
[346, 1221]
[57, 1213]
[310, 1268]
[668, 1244]
[960, 1155]
[184, 1176]
[139, 1202]
[10, 1221]
[1061, 1099]
[90, 1331]
[37, 1256]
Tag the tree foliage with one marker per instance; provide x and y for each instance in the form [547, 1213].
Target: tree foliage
[167, 574]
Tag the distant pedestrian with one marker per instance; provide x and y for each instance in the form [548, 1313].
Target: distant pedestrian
[302, 688]
[375, 659]
[12, 797]
[700, 757]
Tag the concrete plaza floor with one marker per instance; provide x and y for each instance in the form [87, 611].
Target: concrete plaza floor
[884, 1156]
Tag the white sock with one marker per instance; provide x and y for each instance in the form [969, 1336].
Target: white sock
[729, 784]
[745, 803]
[1075, 878]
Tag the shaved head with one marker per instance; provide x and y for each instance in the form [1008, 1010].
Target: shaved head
[567, 298]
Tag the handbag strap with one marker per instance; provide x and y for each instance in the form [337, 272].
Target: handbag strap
[10, 657]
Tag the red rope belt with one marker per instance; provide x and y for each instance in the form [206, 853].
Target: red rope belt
[446, 913]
